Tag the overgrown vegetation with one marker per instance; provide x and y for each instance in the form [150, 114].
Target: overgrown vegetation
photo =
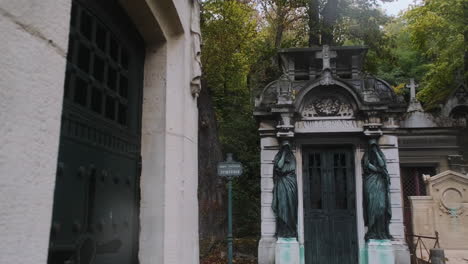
[240, 39]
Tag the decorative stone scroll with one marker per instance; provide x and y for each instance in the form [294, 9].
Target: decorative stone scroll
[195, 32]
[325, 106]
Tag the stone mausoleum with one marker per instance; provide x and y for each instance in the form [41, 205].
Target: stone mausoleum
[328, 110]
[99, 131]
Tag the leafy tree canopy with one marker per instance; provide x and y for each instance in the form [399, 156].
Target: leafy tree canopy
[436, 29]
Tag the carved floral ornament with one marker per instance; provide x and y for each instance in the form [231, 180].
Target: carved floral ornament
[326, 106]
[451, 202]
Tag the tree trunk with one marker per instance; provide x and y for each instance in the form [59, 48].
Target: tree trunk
[314, 23]
[279, 34]
[211, 189]
[330, 15]
[280, 24]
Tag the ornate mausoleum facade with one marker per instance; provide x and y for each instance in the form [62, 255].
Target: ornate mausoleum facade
[329, 111]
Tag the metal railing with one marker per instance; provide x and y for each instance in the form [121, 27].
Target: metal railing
[420, 253]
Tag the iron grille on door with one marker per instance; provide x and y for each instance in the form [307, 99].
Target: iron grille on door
[412, 184]
[98, 68]
[96, 200]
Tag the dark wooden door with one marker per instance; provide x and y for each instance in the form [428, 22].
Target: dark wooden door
[329, 207]
[96, 200]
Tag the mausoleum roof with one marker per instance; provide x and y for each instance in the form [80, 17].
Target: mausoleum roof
[305, 69]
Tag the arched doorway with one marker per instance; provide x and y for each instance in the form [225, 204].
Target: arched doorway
[96, 200]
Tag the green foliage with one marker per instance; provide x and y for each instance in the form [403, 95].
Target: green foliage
[401, 61]
[437, 30]
[360, 22]
[231, 46]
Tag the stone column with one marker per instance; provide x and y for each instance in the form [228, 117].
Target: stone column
[389, 145]
[267, 244]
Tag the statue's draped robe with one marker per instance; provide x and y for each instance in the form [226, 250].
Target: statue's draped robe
[377, 209]
[285, 193]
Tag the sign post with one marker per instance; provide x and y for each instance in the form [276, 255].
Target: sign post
[229, 169]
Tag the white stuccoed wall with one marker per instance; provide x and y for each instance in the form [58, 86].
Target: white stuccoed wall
[169, 179]
[32, 69]
[389, 145]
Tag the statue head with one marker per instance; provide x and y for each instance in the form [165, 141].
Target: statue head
[373, 141]
[286, 143]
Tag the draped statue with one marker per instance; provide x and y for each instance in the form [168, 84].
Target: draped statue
[377, 209]
[285, 192]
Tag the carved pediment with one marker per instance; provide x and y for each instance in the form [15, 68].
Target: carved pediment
[326, 105]
[446, 176]
[445, 210]
[450, 190]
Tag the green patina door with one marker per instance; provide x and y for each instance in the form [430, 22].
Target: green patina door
[96, 200]
[329, 206]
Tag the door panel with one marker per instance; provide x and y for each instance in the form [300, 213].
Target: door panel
[96, 200]
[343, 243]
[329, 206]
[317, 243]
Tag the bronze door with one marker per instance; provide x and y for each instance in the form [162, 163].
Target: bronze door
[329, 207]
[96, 200]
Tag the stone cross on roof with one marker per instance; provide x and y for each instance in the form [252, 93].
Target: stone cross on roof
[412, 87]
[414, 105]
[326, 55]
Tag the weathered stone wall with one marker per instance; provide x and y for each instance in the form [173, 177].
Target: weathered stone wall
[34, 45]
[32, 69]
[169, 179]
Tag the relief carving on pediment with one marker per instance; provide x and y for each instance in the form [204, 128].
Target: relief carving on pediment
[326, 106]
[451, 202]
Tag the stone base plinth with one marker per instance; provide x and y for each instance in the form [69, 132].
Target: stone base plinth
[402, 254]
[287, 251]
[266, 250]
[380, 252]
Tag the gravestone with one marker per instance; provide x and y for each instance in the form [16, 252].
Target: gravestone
[445, 210]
